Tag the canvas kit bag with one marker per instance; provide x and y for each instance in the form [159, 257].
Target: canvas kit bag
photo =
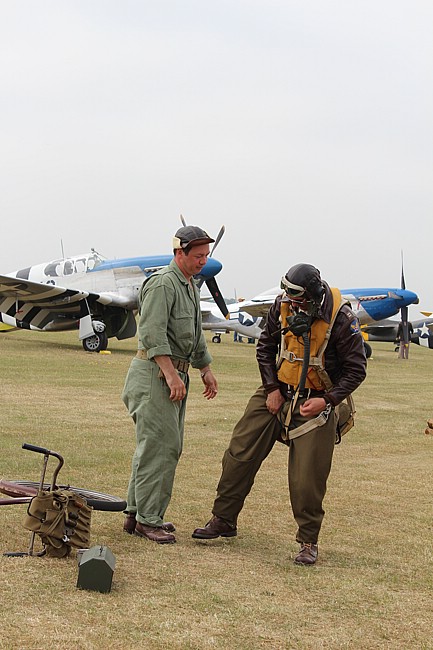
[61, 518]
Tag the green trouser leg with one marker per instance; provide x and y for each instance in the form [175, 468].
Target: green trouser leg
[159, 425]
[310, 458]
[252, 440]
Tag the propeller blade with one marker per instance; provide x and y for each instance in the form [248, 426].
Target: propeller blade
[404, 321]
[404, 325]
[403, 283]
[216, 295]
[218, 239]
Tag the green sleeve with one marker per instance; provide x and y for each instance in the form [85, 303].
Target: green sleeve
[155, 306]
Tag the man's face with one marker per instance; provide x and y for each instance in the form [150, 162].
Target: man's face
[301, 304]
[192, 263]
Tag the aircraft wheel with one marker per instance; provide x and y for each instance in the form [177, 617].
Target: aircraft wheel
[368, 350]
[96, 343]
[216, 338]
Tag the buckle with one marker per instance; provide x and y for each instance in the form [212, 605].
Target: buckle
[181, 365]
[291, 357]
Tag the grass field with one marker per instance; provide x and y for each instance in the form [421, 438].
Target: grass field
[371, 589]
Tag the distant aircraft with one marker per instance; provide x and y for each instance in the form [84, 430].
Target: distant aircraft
[386, 330]
[369, 304]
[236, 321]
[87, 292]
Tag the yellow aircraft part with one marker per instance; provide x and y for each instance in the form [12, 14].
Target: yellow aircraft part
[364, 334]
[5, 328]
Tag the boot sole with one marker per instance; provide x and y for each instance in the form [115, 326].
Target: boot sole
[230, 534]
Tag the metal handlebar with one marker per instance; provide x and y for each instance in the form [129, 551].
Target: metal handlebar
[46, 453]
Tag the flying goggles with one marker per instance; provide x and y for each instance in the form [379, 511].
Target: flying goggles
[292, 290]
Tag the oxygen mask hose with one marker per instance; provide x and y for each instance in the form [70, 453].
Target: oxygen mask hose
[300, 325]
[305, 362]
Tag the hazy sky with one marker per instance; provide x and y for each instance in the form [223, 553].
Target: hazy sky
[304, 126]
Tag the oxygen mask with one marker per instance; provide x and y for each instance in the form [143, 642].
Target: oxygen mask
[299, 324]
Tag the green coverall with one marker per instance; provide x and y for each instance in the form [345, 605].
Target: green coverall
[170, 324]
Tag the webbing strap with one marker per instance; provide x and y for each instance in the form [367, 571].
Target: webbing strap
[317, 362]
[318, 421]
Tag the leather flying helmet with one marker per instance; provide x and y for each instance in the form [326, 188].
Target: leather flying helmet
[303, 281]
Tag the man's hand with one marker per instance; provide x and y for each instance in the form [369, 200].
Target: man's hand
[312, 407]
[174, 382]
[274, 401]
[210, 383]
[176, 386]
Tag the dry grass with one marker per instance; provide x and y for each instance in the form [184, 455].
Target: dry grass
[373, 585]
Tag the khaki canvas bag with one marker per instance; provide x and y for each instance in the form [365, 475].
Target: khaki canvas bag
[61, 518]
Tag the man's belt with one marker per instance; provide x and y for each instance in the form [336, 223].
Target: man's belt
[179, 364]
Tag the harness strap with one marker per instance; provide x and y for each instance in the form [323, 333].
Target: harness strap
[318, 421]
[317, 362]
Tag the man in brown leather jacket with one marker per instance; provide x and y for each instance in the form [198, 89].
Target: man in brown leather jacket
[287, 353]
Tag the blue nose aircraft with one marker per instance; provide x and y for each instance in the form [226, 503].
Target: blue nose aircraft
[247, 317]
[98, 297]
[86, 292]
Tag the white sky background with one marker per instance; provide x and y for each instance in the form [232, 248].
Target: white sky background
[304, 126]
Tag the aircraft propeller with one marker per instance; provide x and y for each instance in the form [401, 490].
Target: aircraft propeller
[217, 240]
[211, 283]
[404, 311]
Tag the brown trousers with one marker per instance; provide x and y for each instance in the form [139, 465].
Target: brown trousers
[310, 459]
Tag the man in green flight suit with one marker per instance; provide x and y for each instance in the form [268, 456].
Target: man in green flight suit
[156, 387]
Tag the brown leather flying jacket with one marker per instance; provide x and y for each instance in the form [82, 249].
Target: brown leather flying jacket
[345, 360]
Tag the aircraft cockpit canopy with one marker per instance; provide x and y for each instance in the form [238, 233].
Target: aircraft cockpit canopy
[72, 265]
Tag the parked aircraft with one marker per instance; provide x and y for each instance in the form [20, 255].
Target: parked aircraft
[369, 304]
[86, 292]
[236, 321]
[387, 330]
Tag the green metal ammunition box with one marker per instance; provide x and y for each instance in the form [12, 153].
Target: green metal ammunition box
[96, 568]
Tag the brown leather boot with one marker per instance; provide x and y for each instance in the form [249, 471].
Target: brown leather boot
[216, 527]
[130, 522]
[155, 534]
[308, 554]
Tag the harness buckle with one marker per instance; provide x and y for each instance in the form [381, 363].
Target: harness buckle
[291, 357]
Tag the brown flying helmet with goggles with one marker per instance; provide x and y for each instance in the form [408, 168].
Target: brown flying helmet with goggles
[303, 282]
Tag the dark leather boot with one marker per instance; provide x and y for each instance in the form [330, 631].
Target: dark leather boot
[307, 554]
[216, 527]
